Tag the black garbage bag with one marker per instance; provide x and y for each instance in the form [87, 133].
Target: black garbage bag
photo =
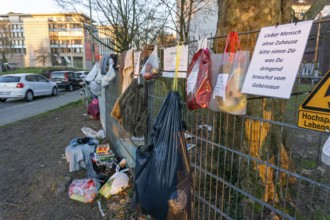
[162, 172]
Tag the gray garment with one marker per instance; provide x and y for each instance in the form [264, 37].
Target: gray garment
[79, 155]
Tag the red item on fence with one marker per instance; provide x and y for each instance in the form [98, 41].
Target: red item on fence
[93, 109]
[199, 80]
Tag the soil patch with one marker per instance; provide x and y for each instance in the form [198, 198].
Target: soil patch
[35, 175]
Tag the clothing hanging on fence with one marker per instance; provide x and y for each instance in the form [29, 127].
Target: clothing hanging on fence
[128, 69]
[121, 62]
[131, 111]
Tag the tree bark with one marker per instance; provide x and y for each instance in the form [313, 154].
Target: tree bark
[264, 140]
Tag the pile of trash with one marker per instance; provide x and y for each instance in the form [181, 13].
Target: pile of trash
[106, 172]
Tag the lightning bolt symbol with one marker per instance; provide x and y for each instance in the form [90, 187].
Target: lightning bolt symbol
[328, 94]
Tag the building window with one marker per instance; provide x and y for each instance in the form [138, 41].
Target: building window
[68, 18]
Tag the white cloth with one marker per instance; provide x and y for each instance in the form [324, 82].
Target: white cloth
[93, 73]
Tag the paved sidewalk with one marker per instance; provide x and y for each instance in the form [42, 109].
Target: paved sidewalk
[22, 110]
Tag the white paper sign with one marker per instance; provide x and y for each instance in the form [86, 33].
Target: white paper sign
[191, 81]
[220, 86]
[276, 60]
[171, 74]
[137, 55]
[170, 62]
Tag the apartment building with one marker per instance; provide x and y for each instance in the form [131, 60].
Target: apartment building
[50, 39]
[106, 36]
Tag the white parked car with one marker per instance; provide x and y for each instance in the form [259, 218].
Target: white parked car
[25, 85]
[81, 74]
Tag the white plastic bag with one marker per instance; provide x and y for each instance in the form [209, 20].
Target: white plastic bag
[116, 183]
[120, 182]
[88, 132]
[101, 134]
[151, 66]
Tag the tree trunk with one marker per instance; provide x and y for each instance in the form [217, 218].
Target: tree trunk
[264, 140]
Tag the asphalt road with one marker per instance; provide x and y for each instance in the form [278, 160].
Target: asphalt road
[15, 110]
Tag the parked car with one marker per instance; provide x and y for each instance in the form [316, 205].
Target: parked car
[2, 67]
[66, 79]
[81, 74]
[10, 66]
[25, 85]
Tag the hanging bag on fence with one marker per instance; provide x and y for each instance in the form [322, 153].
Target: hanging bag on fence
[227, 96]
[162, 172]
[199, 80]
[217, 61]
[151, 66]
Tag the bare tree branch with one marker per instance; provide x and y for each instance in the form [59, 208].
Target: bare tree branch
[127, 23]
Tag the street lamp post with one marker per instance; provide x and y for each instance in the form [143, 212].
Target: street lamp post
[92, 31]
[71, 49]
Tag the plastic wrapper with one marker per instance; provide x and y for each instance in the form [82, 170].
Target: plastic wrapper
[88, 132]
[162, 172]
[84, 190]
[117, 183]
[199, 80]
[93, 109]
[232, 68]
[217, 61]
[151, 66]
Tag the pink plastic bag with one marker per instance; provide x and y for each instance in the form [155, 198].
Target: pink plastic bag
[84, 190]
[93, 109]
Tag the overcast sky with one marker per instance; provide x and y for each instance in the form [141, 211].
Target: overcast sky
[29, 6]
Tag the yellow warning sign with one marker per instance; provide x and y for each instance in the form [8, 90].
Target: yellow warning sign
[314, 113]
[314, 121]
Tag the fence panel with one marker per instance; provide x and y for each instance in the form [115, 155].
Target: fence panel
[232, 179]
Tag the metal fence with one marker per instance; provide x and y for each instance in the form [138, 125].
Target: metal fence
[239, 175]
